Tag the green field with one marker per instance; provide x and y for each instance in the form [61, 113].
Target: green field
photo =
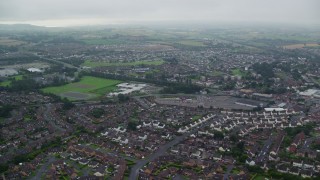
[5, 83]
[90, 63]
[196, 117]
[238, 72]
[87, 88]
[103, 41]
[217, 73]
[10, 42]
[8, 82]
[192, 43]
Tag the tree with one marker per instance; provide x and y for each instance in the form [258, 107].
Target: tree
[3, 168]
[67, 104]
[234, 138]
[123, 98]
[97, 112]
[132, 125]
[242, 158]
[5, 111]
[218, 135]
[240, 146]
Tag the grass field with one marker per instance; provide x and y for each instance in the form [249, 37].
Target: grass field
[103, 41]
[8, 82]
[90, 63]
[217, 73]
[298, 46]
[5, 83]
[10, 42]
[238, 72]
[88, 87]
[192, 43]
[196, 117]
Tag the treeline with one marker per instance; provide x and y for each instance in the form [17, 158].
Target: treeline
[30, 156]
[74, 61]
[181, 88]
[296, 130]
[24, 85]
[8, 48]
[170, 87]
[265, 69]
[17, 60]
[5, 110]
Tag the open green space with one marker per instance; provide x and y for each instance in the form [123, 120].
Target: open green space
[103, 41]
[90, 63]
[235, 171]
[238, 72]
[259, 177]
[8, 82]
[192, 43]
[196, 117]
[27, 118]
[5, 83]
[10, 42]
[217, 73]
[92, 86]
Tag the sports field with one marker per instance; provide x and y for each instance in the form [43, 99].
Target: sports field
[90, 63]
[87, 88]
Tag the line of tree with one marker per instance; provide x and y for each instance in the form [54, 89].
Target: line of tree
[170, 87]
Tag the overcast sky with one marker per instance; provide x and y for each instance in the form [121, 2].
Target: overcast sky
[89, 12]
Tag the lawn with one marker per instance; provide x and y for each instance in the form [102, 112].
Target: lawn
[87, 85]
[235, 171]
[196, 117]
[90, 63]
[238, 72]
[217, 73]
[259, 177]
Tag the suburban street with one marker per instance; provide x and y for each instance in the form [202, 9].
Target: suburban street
[43, 168]
[161, 151]
[264, 153]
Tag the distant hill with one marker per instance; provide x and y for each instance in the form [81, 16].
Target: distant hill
[20, 27]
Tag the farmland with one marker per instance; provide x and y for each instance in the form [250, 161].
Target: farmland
[88, 87]
[90, 63]
[298, 46]
[10, 42]
[192, 43]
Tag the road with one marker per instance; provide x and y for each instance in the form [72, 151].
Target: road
[43, 168]
[306, 144]
[50, 119]
[162, 150]
[264, 153]
[227, 174]
[60, 62]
